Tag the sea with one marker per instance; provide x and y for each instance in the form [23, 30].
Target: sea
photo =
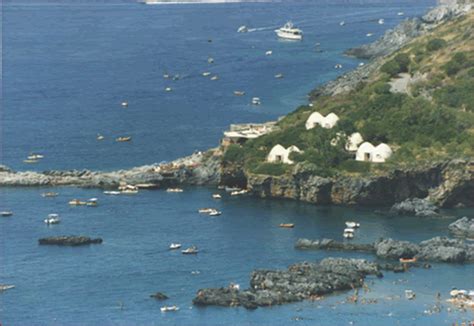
[68, 66]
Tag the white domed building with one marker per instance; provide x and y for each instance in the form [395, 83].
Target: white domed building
[376, 154]
[280, 154]
[317, 118]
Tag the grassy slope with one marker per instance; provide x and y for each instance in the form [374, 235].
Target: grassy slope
[434, 120]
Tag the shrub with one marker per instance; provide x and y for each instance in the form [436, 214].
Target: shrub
[391, 68]
[403, 61]
[436, 44]
[382, 88]
[355, 166]
[275, 169]
[234, 153]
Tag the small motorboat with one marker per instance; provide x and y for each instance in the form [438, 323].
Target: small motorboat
[287, 225]
[242, 29]
[166, 76]
[174, 190]
[401, 13]
[129, 191]
[349, 230]
[193, 250]
[30, 161]
[239, 192]
[239, 93]
[6, 213]
[49, 194]
[169, 308]
[124, 104]
[175, 246]
[123, 139]
[381, 21]
[206, 74]
[269, 52]
[215, 212]
[278, 76]
[93, 202]
[348, 235]
[352, 225]
[205, 210]
[77, 202]
[231, 189]
[176, 77]
[215, 77]
[35, 156]
[108, 192]
[100, 137]
[338, 66]
[342, 23]
[361, 64]
[234, 286]
[369, 34]
[409, 294]
[256, 101]
[168, 89]
[407, 260]
[4, 287]
[52, 219]
[210, 60]
[216, 196]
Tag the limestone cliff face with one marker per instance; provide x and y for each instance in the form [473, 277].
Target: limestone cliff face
[446, 184]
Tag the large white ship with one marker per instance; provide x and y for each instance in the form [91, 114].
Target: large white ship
[288, 31]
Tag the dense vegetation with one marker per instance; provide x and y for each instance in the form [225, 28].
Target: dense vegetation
[433, 120]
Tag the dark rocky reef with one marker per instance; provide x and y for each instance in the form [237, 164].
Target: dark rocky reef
[69, 241]
[438, 249]
[464, 227]
[444, 184]
[159, 296]
[415, 206]
[299, 282]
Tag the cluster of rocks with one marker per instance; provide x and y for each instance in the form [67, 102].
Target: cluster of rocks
[69, 241]
[464, 227]
[438, 249]
[299, 282]
[196, 169]
[415, 206]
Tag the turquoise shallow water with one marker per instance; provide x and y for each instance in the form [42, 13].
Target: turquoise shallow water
[66, 68]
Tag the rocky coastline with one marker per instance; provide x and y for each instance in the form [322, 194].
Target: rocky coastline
[438, 249]
[302, 281]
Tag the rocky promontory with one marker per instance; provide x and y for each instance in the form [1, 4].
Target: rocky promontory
[438, 249]
[299, 282]
[415, 206]
[71, 240]
[464, 227]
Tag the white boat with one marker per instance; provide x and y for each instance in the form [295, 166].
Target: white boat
[269, 52]
[338, 66]
[207, 73]
[289, 32]
[129, 191]
[342, 23]
[348, 235]
[279, 76]
[169, 308]
[215, 77]
[6, 213]
[409, 294]
[168, 89]
[215, 212]
[242, 29]
[256, 101]
[77, 202]
[100, 137]
[361, 64]
[239, 93]
[52, 219]
[35, 157]
[108, 192]
[124, 104]
[29, 161]
[190, 251]
[205, 210]
[401, 13]
[352, 225]
[210, 60]
[349, 230]
[369, 34]
[216, 196]
[381, 21]
[166, 76]
[93, 202]
[49, 194]
[239, 192]
[4, 287]
[174, 190]
[176, 77]
[174, 246]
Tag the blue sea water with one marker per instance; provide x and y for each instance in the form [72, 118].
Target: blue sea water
[66, 69]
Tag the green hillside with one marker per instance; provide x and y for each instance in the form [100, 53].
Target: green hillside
[430, 119]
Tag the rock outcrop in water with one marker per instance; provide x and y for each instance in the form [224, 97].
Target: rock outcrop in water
[438, 249]
[71, 240]
[415, 206]
[464, 227]
[299, 282]
[197, 169]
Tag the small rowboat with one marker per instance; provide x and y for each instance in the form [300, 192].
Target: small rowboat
[287, 225]
[169, 308]
[407, 260]
[6, 213]
[190, 251]
[123, 139]
[174, 246]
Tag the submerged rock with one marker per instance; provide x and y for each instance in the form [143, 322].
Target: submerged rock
[464, 227]
[159, 296]
[299, 282]
[415, 206]
[69, 241]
